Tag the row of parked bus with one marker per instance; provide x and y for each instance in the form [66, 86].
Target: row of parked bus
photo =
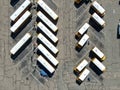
[81, 70]
[97, 55]
[21, 10]
[20, 16]
[20, 43]
[81, 67]
[98, 14]
[96, 6]
[82, 34]
[46, 37]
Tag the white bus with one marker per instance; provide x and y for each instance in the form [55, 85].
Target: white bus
[81, 66]
[47, 9]
[98, 8]
[83, 75]
[53, 27]
[47, 32]
[99, 53]
[82, 41]
[47, 66]
[21, 42]
[98, 19]
[20, 10]
[82, 30]
[48, 55]
[98, 64]
[20, 22]
[47, 43]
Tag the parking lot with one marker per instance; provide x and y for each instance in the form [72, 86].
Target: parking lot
[21, 73]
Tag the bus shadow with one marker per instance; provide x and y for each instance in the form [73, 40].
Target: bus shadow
[12, 23]
[78, 49]
[77, 38]
[95, 69]
[45, 70]
[118, 31]
[77, 5]
[94, 24]
[13, 2]
[93, 55]
[40, 53]
[21, 49]
[91, 10]
[79, 82]
[87, 1]
[76, 73]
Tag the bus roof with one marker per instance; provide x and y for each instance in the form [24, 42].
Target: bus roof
[82, 65]
[46, 64]
[99, 64]
[84, 74]
[98, 52]
[83, 28]
[98, 19]
[98, 7]
[83, 40]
